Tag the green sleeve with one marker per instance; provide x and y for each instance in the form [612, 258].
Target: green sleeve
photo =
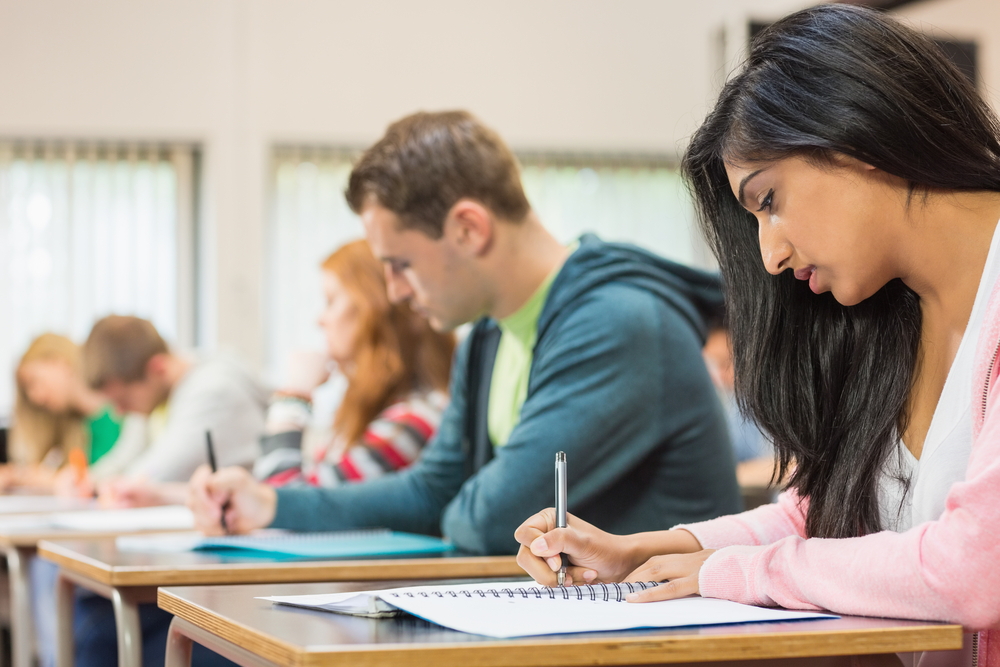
[104, 428]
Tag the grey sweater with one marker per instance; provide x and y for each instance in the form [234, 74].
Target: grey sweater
[617, 382]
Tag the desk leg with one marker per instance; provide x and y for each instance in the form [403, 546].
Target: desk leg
[182, 633]
[178, 647]
[129, 629]
[65, 602]
[22, 623]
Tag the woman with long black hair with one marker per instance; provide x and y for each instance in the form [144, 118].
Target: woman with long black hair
[848, 180]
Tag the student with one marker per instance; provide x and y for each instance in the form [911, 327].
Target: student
[592, 349]
[864, 169]
[126, 359]
[397, 372]
[55, 412]
[751, 448]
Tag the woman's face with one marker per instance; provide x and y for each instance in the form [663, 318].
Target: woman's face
[339, 320]
[48, 383]
[833, 225]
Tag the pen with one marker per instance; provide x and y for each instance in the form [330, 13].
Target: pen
[561, 509]
[215, 468]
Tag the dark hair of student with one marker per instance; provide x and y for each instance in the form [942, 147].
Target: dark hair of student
[428, 161]
[830, 383]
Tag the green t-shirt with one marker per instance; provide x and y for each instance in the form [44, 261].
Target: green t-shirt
[104, 428]
[512, 366]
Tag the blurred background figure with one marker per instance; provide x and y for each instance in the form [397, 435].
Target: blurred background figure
[396, 370]
[751, 448]
[183, 398]
[55, 412]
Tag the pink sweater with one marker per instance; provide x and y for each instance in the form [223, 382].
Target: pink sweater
[943, 570]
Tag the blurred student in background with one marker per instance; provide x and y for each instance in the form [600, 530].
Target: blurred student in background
[55, 412]
[397, 371]
[183, 398]
[127, 360]
[753, 451]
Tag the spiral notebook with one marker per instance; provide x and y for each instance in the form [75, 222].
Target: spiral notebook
[343, 544]
[520, 609]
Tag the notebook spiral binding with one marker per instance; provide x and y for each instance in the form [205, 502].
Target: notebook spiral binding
[591, 592]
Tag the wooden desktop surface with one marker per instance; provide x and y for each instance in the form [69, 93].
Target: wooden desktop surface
[301, 637]
[101, 561]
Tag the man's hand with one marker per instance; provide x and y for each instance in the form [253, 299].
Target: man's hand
[251, 504]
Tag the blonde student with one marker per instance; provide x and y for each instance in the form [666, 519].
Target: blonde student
[55, 412]
[849, 182]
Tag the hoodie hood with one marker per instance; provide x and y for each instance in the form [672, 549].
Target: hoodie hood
[695, 294]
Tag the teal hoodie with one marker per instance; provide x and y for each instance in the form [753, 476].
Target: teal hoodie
[617, 382]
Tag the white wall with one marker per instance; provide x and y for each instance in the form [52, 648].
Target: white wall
[239, 75]
[975, 20]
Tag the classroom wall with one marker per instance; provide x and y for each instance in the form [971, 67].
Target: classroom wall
[976, 20]
[239, 75]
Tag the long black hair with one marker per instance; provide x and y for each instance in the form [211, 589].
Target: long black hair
[830, 383]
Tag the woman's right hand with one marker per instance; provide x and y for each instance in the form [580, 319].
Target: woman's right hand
[247, 503]
[594, 555]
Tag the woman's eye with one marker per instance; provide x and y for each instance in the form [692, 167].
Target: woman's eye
[768, 199]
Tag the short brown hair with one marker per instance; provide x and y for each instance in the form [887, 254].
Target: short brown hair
[118, 348]
[426, 162]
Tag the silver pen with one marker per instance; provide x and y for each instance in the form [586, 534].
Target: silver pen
[561, 510]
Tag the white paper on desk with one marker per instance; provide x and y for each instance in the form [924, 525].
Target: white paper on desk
[171, 517]
[518, 616]
[174, 543]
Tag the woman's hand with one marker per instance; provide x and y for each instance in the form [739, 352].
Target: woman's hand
[69, 483]
[679, 571]
[247, 503]
[594, 555]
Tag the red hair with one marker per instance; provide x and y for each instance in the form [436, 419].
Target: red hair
[396, 350]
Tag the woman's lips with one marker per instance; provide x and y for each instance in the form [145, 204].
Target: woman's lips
[808, 273]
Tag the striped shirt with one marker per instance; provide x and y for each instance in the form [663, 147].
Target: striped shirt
[391, 442]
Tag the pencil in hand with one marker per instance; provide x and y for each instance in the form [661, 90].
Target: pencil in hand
[215, 468]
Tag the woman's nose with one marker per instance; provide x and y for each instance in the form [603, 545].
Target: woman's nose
[774, 248]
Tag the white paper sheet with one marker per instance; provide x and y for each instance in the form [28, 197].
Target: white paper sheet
[518, 616]
[171, 517]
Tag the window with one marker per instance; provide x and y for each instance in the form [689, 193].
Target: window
[640, 199]
[88, 229]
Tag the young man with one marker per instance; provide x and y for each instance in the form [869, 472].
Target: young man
[593, 350]
[182, 398]
[127, 360]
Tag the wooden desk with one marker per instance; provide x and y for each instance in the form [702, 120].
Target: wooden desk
[255, 633]
[129, 579]
[19, 536]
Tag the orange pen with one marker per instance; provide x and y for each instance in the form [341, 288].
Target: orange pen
[78, 460]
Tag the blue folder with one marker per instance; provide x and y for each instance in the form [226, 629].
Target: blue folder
[346, 544]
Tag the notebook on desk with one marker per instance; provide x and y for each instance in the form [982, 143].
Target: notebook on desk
[506, 610]
[345, 544]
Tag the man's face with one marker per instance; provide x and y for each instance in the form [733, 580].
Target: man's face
[140, 396]
[434, 275]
